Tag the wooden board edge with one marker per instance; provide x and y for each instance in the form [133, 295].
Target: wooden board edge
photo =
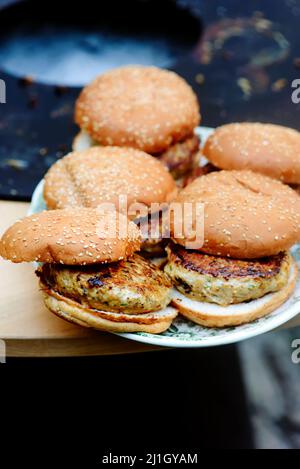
[36, 348]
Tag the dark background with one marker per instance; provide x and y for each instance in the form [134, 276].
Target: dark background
[240, 58]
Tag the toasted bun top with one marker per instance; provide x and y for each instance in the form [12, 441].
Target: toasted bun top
[103, 174]
[72, 237]
[269, 149]
[246, 215]
[142, 107]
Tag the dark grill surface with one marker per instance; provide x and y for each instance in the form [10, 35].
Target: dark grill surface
[245, 76]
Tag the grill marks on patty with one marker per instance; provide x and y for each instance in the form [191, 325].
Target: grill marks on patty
[226, 268]
[224, 281]
[131, 286]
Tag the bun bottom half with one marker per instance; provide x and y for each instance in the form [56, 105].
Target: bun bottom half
[213, 315]
[72, 311]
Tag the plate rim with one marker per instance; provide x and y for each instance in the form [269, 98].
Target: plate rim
[270, 325]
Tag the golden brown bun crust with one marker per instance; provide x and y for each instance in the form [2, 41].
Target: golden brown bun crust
[101, 174]
[72, 311]
[247, 215]
[269, 149]
[219, 316]
[141, 107]
[180, 158]
[72, 237]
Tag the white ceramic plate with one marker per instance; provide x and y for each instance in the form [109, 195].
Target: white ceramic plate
[184, 333]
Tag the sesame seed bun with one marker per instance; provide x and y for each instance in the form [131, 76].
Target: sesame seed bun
[180, 159]
[72, 237]
[102, 174]
[141, 107]
[72, 311]
[213, 315]
[246, 215]
[269, 149]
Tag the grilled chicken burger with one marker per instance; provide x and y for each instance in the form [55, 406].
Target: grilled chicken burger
[89, 276]
[147, 108]
[272, 150]
[102, 175]
[243, 270]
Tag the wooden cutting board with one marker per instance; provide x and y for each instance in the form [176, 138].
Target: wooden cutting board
[30, 330]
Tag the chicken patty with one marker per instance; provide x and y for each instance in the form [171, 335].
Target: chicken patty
[182, 157]
[154, 235]
[133, 286]
[225, 281]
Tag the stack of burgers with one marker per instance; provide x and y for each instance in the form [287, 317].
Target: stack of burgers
[136, 145]
[88, 277]
[147, 108]
[243, 270]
